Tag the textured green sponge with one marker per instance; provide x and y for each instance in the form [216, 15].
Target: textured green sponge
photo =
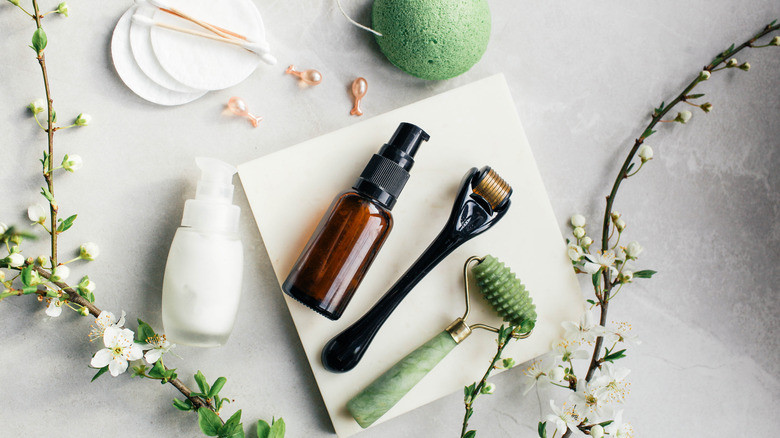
[432, 39]
[505, 293]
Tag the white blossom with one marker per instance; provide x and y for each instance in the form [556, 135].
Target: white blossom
[62, 8]
[37, 106]
[612, 380]
[557, 374]
[589, 401]
[618, 429]
[89, 251]
[157, 346]
[36, 213]
[587, 330]
[593, 263]
[60, 273]
[575, 252]
[567, 350]
[538, 372]
[633, 249]
[103, 321]
[622, 333]
[54, 308]
[15, 260]
[645, 153]
[683, 116]
[120, 349]
[72, 163]
[563, 418]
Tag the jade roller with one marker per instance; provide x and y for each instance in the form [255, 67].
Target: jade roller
[505, 293]
[483, 199]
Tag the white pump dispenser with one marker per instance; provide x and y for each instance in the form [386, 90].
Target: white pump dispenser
[202, 282]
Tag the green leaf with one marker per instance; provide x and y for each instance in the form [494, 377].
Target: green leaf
[185, 405]
[209, 422]
[202, 384]
[233, 426]
[648, 132]
[144, 332]
[90, 297]
[27, 290]
[647, 273]
[611, 357]
[100, 373]
[157, 371]
[216, 387]
[596, 278]
[605, 423]
[470, 434]
[695, 96]
[278, 428]
[591, 302]
[263, 429]
[67, 223]
[47, 194]
[39, 40]
[27, 275]
[542, 429]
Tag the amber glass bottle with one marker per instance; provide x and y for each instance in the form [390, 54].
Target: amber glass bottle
[353, 230]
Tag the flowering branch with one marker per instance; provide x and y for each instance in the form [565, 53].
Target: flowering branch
[45, 277]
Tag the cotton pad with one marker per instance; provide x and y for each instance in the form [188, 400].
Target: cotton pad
[134, 77]
[201, 63]
[141, 43]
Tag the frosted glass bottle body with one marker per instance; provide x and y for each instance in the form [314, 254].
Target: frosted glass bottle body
[202, 287]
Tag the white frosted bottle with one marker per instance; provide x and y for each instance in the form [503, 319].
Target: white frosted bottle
[202, 282]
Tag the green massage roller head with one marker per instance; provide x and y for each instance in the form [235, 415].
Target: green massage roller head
[505, 293]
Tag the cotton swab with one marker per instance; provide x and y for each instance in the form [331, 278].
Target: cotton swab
[208, 26]
[260, 49]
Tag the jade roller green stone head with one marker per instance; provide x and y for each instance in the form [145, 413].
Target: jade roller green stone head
[508, 297]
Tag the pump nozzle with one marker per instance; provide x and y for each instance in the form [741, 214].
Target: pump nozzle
[216, 180]
[212, 207]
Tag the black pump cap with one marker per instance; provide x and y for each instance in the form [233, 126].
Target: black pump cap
[386, 173]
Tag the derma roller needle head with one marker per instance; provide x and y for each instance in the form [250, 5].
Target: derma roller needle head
[492, 188]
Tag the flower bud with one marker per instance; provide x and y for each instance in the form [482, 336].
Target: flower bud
[596, 431]
[586, 242]
[42, 260]
[36, 213]
[15, 260]
[89, 251]
[14, 2]
[704, 75]
[577, 220]
[575, 252]
[706, 107]
[16, 239]
[37, 106]
[626, 277]
[633, 249]
[557, 374]
[60, 273]
[508, 362]
[488, 388]
[620, 224]
[645, 153]
[683, 116]
[62, 8]
[72, 163]
[615, 215]
[83, 311]
[83, 119]
[579, 232]
[745, 66]
[775, 41]
[731, 63]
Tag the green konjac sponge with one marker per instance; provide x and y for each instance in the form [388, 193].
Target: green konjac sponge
[432, 39]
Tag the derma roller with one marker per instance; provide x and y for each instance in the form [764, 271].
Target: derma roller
[505, 293]
[482, 200]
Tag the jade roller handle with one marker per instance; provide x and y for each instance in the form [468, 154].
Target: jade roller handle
[390, 387]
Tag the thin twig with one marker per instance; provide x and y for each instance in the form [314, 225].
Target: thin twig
[623, 174]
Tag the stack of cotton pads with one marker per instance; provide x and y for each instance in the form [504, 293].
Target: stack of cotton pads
[171, 67]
